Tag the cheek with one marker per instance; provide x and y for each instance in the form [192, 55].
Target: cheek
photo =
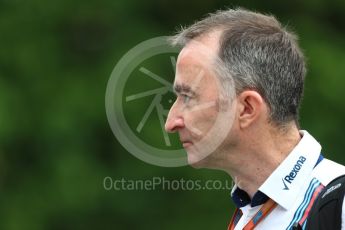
[209, 117]
[200, 122]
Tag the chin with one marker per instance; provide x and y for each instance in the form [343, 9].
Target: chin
[194, 160]
[197, 161]
[196, 165]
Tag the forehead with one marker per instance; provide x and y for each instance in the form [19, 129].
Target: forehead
[196, 60]
[200, 51]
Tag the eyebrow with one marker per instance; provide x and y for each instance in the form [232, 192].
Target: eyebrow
[183, 88]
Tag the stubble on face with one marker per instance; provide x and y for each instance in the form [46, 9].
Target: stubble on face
[203, 116]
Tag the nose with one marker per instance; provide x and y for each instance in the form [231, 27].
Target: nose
[174, 120]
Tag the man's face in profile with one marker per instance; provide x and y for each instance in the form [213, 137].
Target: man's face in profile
[195, 113]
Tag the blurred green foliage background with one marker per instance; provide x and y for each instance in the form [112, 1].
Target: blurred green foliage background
[56, 146]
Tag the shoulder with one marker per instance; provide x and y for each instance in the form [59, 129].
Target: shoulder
[327, 170]
[328, 210]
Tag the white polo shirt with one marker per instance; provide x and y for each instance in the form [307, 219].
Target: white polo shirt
[292, 186]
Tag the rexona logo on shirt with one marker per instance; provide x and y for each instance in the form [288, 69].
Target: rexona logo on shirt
[292, 175]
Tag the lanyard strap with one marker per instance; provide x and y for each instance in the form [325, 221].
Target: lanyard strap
[259, 216]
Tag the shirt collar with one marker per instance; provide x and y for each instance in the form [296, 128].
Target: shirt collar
[241, 198]
[288, 179]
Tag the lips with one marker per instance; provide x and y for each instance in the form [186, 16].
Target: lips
[186, 144]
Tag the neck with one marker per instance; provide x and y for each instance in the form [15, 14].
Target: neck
[253, 161]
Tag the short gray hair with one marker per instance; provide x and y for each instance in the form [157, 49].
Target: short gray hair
[259, 54]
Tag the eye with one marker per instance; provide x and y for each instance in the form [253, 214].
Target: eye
[186, 98]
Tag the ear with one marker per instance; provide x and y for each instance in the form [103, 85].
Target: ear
[252, 107]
